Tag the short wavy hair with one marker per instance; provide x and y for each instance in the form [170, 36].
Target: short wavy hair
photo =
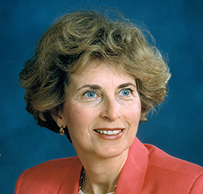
[78, 38]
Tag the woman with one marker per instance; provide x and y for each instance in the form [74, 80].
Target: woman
[95, 80]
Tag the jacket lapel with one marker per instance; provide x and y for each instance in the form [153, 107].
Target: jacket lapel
[132, 175]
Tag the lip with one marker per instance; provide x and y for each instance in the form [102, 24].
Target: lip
[109, 137]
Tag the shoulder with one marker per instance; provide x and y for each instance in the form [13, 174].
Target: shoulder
[50, 173]
[53, 167]
[177, 173]
[160, 159]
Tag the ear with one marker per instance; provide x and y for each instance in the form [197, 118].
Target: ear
[59, 120]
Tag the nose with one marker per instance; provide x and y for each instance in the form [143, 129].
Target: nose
[110, 109]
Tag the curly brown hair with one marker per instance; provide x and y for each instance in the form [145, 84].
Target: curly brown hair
[75, 39]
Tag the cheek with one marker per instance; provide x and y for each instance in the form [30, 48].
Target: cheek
[76, 118]
[135, 113]
[72, 115]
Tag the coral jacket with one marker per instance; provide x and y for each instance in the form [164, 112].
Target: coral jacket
[148, 170]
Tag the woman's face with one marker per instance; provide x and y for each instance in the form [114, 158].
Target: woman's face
[102, 110]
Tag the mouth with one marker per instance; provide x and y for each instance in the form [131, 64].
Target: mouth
[109, 131]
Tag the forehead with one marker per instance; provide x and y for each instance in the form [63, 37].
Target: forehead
[97, 70]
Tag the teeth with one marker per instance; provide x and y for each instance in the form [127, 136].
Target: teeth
[108, 132]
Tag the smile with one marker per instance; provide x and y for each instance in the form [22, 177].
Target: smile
[109, 132]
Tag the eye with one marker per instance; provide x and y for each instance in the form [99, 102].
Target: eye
[90, 94]
[125, 92]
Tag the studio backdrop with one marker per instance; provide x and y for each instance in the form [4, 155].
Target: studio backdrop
[176, 126]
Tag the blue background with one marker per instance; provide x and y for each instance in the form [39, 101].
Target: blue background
[177, 127]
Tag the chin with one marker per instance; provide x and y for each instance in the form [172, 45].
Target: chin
[111, 152]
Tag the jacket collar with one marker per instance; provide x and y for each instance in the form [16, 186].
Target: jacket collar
[71, 182]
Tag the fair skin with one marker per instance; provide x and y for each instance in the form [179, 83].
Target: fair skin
[102, 113]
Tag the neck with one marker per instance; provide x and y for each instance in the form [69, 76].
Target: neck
[101, 174]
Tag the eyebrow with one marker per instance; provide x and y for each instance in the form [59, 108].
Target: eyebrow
[92, 86]
[126, 85]
[97, 87]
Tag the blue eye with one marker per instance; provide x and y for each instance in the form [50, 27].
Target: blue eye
[90, 94]
[125, 92]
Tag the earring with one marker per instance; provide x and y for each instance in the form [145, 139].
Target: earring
[61, 131]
